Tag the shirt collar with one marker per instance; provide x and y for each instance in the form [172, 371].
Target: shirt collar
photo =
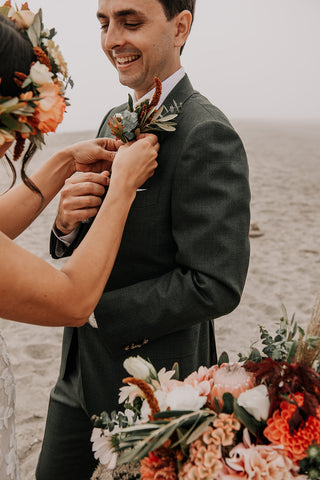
[167, 86]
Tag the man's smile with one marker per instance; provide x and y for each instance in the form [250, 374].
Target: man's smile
[126, 60]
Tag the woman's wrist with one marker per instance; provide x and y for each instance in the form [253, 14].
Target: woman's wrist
[68, 159]
[121, 190]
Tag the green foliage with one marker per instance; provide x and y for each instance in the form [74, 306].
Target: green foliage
[130, 123]
[143, 118]
[280, 347]
[34, 31]
[310, 465]
[135, 406]
[106, 421]
[175, 368]
[224, 358]
[138, 440]
[284, 345]
[228, 403]
[254, 356]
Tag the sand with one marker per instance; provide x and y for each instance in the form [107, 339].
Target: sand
[284, 267]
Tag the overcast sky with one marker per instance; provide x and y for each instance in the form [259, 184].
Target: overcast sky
[251, 58]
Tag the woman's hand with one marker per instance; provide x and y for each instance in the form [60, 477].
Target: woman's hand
[94, 155]
[135, 162]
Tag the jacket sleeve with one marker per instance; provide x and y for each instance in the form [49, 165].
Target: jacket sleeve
[210, 224]
[59, 249]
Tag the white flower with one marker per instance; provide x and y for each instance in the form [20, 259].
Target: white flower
[129, 392]
[102, 447]
[139, 368]
[161, 397]
[22, 18]
[40, 74]
[185, 398]
[55, 53]
[256, 402]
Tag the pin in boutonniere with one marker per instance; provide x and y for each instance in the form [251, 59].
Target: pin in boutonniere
[145, 117]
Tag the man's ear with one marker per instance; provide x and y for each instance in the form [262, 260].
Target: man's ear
[183, 24]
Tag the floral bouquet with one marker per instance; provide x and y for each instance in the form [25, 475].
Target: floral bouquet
[256, 419]
[144, 117]
[40, 106]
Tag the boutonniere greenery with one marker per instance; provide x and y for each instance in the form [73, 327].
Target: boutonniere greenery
[145, 117]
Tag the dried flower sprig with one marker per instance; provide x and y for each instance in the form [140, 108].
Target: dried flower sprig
[144, 117]
[308, 351]
[148, 392]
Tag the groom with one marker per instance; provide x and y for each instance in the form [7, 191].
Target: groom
[184, 254]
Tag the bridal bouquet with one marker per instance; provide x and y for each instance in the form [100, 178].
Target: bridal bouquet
[258, 418]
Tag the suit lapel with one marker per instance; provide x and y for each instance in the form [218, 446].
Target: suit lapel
[180, 93]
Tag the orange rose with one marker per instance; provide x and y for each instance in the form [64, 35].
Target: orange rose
[50, 108]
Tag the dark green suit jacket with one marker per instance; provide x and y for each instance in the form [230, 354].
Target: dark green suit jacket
[183, 258]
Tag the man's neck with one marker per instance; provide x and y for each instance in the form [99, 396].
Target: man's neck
[167, 85]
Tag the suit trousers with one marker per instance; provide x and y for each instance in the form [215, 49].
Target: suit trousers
[66, 452]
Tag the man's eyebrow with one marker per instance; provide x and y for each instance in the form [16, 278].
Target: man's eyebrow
[122, 13]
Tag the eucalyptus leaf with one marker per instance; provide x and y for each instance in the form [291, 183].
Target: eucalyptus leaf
[153, 113]
[292, 350]
[224, 358]
[156, 438]
[228, 403]
[176, 375]
[167, 128]
[26, 82]
[130, 103]
[32, 36]
[167, 118]
[37, 23]
[145, 427]
[200, 429]
[52, 33]
[11, 102]
[38, 140]
[255, 355]
[172, 413]
[10, 122]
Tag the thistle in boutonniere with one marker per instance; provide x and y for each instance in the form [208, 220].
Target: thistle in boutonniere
[144, 117]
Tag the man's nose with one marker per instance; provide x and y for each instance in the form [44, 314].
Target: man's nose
[113, 37]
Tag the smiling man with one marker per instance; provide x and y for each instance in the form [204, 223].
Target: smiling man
[141, 41]
[184, 254]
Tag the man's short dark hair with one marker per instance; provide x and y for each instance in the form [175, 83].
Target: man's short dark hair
[173, 7]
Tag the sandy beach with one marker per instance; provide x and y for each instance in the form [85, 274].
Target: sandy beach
[284, 163]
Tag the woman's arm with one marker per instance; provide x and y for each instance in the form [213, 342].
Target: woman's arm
[20, 206]
[32, 291]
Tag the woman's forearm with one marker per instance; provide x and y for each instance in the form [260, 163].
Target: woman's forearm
[20, 206]
[67, 297]
[33, 291]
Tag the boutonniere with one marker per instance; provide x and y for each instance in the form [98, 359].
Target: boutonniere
[144, 117]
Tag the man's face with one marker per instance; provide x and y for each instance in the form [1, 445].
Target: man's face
[139, 41]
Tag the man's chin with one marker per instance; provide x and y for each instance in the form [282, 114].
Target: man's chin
[127, 81]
